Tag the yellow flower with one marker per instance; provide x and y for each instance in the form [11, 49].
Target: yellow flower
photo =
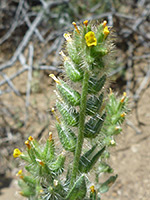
[50, 136]
[85, 22]
[28, 144]
[92, 189]
[20, 172]
[90, 39]
[106, 31]
[123, 98]
[30, 138]
[123, 115]
[76, 28]
[104, 23]
[17, 153]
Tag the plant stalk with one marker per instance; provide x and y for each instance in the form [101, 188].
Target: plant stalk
[80, 128]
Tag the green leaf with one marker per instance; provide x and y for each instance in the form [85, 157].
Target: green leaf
[104, 187]
[78, 191]
[86, 163]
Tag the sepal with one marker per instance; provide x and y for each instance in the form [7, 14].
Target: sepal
[104, 168]
[69, 95]
[69, 114]
[29, 180]
[73, 53]
[99, 51]
[93, 104]
[74, 73]
[96, 85]
[67, 137]
[25, 157]
[26, 191]
[58, 165]
[86, 163]
[93, 126]
[48, 153]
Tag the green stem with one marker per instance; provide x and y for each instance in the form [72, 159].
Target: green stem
[80, 128]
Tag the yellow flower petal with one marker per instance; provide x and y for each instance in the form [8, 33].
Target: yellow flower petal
[55, 79]
[76, 28]
[17, 153]
[92, 189]
[50, 136]
[104, 23]
[90, 39]
[85, 22]
[123, 115]
[106, 31]
[30, 138]
[28, 144]
[20, 172]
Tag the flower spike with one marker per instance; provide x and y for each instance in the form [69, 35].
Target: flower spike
[85, 110]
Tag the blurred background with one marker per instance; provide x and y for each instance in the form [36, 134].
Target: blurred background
[31, 36]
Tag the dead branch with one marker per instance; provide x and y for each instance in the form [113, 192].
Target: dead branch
[31, 54]
[11, 85]
[14, 24]
[24, 42]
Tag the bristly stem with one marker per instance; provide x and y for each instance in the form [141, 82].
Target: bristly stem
[80, 127]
